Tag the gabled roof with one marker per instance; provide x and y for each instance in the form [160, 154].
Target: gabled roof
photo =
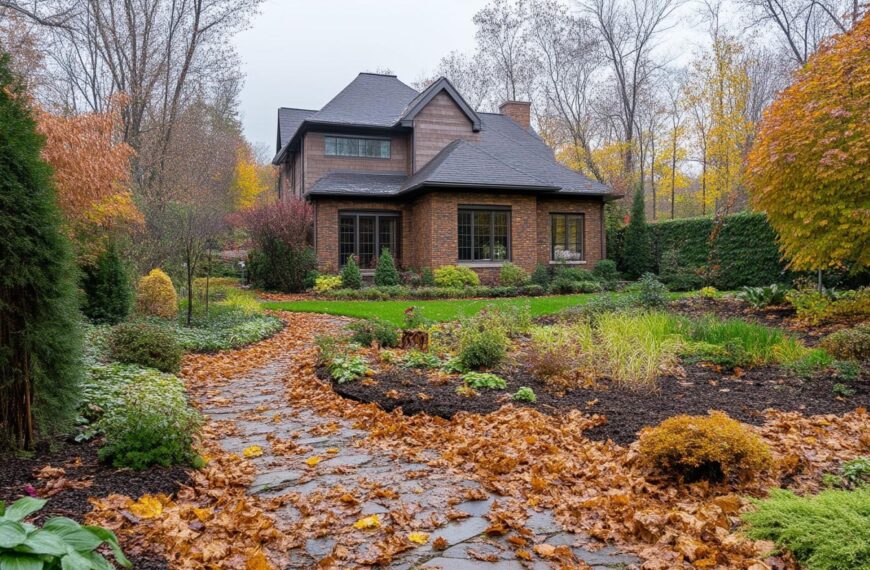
[289, 121]
[425, 96]
[369, 100]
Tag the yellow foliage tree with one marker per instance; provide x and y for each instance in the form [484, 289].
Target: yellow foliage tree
[248, 182]
[809, 168]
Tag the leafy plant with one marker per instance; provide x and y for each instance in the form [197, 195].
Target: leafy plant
[562, 351]
[230, 329]
[847, 370]
[708, 293]
[760, 297]
[324, 283]
[147, 345]
[713, 447]
[605, 272]
[649, 292]
[351, 278]
[454, 365]
[828, 531]
[481, 347]
[385, 272]
[512, 275]
[849, 344]
[565, 285]
[842, 390]
[413, 318]
[514, 320]
[480, 380]
[856, 472]
[61, 543]
[541, 276]
[156, 296]
[427, 278]
[813, 361]
[420, 359]
[456, 276]
[525, 394]
[153, 424]
[374, 330]
[346, 368]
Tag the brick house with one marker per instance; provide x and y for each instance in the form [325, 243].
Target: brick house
[436, 182]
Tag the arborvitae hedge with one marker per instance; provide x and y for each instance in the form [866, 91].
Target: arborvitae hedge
[745, 251]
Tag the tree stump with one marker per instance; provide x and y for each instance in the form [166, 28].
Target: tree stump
[418, 340]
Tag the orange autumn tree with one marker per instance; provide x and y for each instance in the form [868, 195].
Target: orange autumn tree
[809, 168]
[92, 176]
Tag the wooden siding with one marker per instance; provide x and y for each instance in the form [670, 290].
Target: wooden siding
[438, 124]
[316, 164]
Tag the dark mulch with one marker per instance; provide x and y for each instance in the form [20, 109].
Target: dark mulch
[626, 412]
[80, 463]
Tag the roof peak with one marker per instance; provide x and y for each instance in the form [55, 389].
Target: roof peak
[378, 74]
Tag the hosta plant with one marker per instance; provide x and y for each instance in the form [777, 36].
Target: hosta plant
[479, 380]
[348, 368]
[525, 394]
[61, 543]
[760, 297]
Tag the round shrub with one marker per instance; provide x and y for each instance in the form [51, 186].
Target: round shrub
[385, 272]
[351, 278]
[151, 425]
[146, 345]
[650, 292]
[713, 447]
[156, 297]
[512, 275]
[481, 347]
[324, 283]
[456, 276]
[605, 271]
[541, 276]
[849, 344]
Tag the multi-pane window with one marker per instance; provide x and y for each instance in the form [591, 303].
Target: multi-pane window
[357, 147]
[484, 234]
[566, 237]
[365, 235]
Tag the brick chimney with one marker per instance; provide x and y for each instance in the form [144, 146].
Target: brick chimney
[519, 111]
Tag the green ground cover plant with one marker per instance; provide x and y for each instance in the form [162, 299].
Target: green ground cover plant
[481, 380]
[760, 297]
[525, 394]
[828, 531]
[147, 345]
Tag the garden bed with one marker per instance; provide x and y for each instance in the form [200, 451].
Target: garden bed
[85, 477]
[703, 388]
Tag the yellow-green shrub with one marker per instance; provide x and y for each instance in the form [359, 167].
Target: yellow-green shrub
[456, 276]
[324, 283]
[156, 296]
[704, 447]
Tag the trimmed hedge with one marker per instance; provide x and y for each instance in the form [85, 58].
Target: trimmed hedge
[746, 251]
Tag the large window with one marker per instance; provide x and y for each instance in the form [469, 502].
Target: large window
[484, 234]
[357, 147]
[566, 237]
[365, 235]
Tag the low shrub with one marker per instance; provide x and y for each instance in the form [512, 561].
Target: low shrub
[525, 394]
[760, 297]
[370, 331]
[146, 345]
[156, 296]
[427, 277]
[60, 543]
[324, 283]
[649, 292]
[481, 347]
[561, 285]
[561, 352]
[456, 276]
[512, 275]
[481, 380]
[713, 447]
[104, 385]
[532, 290]
[597, 306]
[420, 359]
[812, 362]
[828, 531]
[351, 278]
[152, 425]
[575, 274]
[541, 276]
[386, 274]
[708, 293]
[606, 273]
[849, 344]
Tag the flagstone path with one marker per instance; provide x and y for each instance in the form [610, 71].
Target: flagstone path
[257, 405]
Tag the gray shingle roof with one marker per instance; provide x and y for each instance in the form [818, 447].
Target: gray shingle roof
[370, 100]
[289, 121]
[359, 184]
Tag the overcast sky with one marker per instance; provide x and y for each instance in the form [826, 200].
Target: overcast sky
[301, 53]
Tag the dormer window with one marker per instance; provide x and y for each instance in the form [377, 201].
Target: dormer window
[357, 147]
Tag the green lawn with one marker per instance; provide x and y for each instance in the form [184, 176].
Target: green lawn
[440, 310]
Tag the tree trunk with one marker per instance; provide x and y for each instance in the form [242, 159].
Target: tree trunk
[189, 288]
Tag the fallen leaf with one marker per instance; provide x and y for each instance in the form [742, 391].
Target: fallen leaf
[314, 460]
[440, 543]
[418, 537]
[147, 507]
[372, 521]
[257, 561]
[252, 451]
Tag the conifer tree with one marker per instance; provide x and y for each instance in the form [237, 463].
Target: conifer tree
[386, 273]
[637, 249]
[40, 348]
[106, 284]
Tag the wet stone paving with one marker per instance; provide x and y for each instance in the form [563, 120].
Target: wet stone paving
[257, 406]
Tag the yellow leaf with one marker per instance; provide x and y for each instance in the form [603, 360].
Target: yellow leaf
[257, 561]
[332, 450]
[202, 514]
[252, 451]
[418, 537]
[368, 522]
[312, 461]
[147, 507]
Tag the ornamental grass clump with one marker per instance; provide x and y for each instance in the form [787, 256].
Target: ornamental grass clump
[714, 448]
[562, 354]
[828, 531]
[156, 296]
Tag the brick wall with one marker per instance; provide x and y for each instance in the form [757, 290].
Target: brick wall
[317, 164]
[438, 124]
[592, 210]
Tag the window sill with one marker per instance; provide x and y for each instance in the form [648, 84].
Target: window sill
[583, 262]
[482, 264]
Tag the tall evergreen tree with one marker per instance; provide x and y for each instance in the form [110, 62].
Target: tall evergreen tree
[106, 284]
[40, 347]
[637, 249]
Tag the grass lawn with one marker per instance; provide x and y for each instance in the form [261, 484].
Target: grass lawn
[438, 310]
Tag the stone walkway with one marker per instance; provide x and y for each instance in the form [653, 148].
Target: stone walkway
[256, 404]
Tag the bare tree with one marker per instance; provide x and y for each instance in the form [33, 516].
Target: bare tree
[629, 29]
[470, 75]
[501, 27]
